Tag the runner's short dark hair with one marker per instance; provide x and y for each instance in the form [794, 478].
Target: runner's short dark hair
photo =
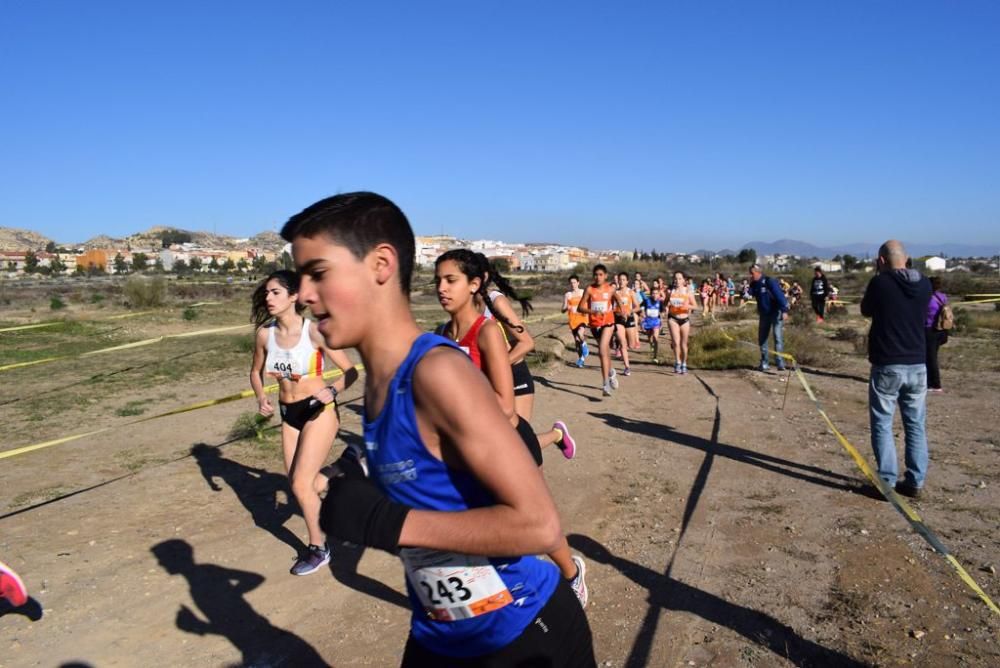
[358, 221]
[572, 276]
[600, 267]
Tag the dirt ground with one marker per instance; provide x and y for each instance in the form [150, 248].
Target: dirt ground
[721, 522]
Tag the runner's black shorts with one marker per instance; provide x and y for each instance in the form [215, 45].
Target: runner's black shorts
[523, 382]
[297, 413]
[625, 321]
[596, 331]
[559, 637]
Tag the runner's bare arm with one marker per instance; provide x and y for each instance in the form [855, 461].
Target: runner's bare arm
[496, 366]
[584, 305]
[264, 406]
[474, 430]
[523, 343]
[565, 306]
[339, 359]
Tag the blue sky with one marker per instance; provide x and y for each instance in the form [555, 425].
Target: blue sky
[661, 124]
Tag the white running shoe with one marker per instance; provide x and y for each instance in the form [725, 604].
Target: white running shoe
[613, 379]
[579, 583]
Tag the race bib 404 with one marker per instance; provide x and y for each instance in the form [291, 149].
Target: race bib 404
[454, 586]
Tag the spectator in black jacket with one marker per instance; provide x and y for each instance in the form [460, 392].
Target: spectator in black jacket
[819, 292]
[896, 301]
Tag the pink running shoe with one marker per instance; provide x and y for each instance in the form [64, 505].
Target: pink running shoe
[11, 586]
[567, 444]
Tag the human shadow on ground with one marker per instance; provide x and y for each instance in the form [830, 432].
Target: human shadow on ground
[32, 609]
[667, 594]
[564, 387]
[833, 374]
[256, 488]
[218, 593]
[805, 472]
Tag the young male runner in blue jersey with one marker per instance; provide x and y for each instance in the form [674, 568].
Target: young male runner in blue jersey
[453, 490]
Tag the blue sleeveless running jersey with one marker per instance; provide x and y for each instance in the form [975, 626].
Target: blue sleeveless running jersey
[407, 473]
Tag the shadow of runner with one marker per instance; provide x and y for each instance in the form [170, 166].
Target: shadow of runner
[218, 593]
[805, 472]
[833, 374]
[665, 593]
[257, 489]
[562, 387]
[344, 559]
[32, 609]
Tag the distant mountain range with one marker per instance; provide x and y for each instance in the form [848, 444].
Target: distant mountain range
[861, 250]
[12, 239]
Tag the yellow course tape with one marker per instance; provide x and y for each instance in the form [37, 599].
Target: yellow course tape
[177, 411]
[124, 346]
[904, 508]
[992, 300]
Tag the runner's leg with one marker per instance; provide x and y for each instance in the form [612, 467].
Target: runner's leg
[622, 337]
[675, 340]
[685, 333]
[604, 352]
[314, 444]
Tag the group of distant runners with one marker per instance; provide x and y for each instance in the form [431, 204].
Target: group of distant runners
[615, 313]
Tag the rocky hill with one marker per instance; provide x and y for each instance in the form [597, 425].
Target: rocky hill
[153, 237]
[13, 239]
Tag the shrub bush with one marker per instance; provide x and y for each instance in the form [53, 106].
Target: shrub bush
[56, 303]
[710, 348]
[964, 322]
[145, 292]
[248, 425]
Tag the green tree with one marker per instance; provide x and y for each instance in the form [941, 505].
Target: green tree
[57, 266]
[227, 266]
[181, 268]
[286, 261]
[157, 265]
[119, 264]
[243, 265]
[140, 261]
[195, 264]
[50, 247]
[30, 262]
[213, 265]
[747, 256]
[850, 262]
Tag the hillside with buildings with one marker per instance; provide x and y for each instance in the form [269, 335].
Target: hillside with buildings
[180, 251]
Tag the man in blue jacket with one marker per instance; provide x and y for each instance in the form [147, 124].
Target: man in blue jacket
[896, 300]
[772, 309]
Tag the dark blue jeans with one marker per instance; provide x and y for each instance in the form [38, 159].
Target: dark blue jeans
[767, 323]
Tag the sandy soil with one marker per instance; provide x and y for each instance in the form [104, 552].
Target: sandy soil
[719, 527]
